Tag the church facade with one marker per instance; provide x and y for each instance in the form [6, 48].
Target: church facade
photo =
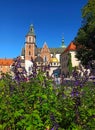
[44, 56]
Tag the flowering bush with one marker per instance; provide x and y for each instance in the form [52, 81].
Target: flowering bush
[35, 104]
[27, 105]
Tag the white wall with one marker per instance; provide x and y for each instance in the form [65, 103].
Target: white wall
[58, 57]
[74, 60]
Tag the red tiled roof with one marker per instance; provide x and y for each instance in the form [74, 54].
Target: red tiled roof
[71, 47]
[6, 62]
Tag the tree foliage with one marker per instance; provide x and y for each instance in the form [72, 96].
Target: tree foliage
[85, 39]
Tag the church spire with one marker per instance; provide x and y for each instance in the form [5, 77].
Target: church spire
[62, 43]
[31, 30]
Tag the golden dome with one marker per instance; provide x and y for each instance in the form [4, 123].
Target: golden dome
[54, 60]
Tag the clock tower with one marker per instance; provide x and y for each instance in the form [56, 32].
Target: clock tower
[30, 44]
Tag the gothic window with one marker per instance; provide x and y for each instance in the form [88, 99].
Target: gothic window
[29, 53]
[45, 59]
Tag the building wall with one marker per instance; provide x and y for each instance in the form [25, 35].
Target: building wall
[5, 65]
[29, 51]
[45, 53]
[5, 69]
[64, 61]
[58, 57]
[75, 61]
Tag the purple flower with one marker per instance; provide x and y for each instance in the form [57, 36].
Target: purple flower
[76, 83]
[53, 128]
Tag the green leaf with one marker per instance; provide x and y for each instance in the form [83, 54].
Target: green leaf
[18, 113]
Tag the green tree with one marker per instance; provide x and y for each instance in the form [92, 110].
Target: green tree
[85, 39]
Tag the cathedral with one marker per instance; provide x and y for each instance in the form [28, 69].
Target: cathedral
[44, 56]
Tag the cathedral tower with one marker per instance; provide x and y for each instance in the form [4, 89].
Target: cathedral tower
[30, 44]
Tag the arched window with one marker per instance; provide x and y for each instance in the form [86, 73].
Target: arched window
[54, 63]
[29, 53]
[29, 39]
[45, 59]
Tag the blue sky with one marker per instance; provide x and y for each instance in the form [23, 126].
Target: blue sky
[52, 19]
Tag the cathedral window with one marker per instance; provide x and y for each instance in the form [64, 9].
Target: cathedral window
[29, 53]
[45, 59]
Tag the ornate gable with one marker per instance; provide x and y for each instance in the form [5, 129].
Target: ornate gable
[45, 48]
[45, 53]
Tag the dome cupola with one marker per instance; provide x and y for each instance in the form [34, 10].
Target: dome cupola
[54, 59]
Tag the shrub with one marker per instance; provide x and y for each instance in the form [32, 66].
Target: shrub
[36, 104]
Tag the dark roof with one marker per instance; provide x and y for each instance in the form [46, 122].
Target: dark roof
[23, 52]
[52, 51]
[56, 50]
[37, 51]
[38, 59]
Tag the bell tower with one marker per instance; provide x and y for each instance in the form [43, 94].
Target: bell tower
[30, 44]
